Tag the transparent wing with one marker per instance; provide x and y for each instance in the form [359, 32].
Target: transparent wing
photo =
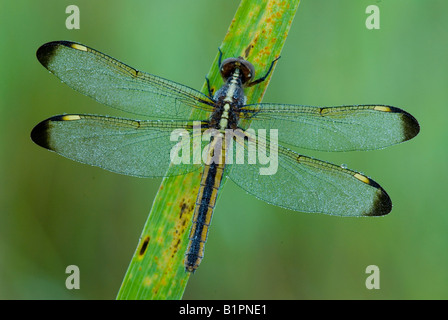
[117, 85]
[301, 183]
[345, 128]
[130, 147]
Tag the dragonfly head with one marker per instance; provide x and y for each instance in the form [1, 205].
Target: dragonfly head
[228, 67]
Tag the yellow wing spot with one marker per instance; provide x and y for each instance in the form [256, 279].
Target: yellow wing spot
[382, 108]
[323, 111]
[361, 178]
[78, 47]
[71, 117]
[134, 72]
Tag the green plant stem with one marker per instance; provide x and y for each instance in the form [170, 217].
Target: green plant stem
[257, 33]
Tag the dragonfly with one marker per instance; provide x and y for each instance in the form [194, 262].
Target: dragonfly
[144, 148]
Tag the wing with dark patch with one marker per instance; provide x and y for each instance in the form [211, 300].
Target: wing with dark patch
[345, 128]
[287, 179]
[130, 147]
[117, 85]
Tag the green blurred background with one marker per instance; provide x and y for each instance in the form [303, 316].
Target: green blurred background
[56, 212]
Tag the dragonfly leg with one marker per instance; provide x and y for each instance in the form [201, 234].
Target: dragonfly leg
[220, 57]
[210, 91]
[265, 76]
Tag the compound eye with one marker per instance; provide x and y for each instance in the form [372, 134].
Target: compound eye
[227, 67]
[248, 71]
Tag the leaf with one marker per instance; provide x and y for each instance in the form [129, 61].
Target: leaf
[257, 33]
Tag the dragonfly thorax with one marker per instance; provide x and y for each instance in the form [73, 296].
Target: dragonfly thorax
[228, 101]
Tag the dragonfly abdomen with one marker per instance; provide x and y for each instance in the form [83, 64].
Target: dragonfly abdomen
[203, 211]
